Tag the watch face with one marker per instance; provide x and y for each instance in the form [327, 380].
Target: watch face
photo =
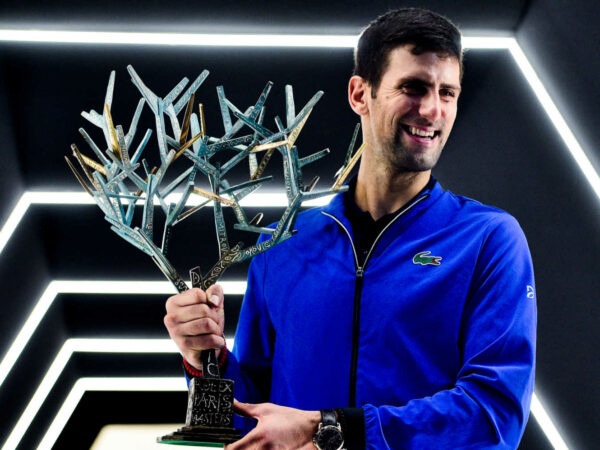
[330, 438]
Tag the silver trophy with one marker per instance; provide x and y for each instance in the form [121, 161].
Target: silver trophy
[130, 189]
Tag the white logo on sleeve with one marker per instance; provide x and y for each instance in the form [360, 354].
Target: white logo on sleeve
[530, 292]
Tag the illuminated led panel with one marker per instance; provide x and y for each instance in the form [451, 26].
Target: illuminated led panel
[179, 39]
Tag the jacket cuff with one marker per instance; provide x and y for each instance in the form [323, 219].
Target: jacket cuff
[192, 372]
[352, 421]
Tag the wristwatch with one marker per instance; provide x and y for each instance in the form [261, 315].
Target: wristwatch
[329, 435]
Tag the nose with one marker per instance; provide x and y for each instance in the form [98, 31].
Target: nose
[430, 106]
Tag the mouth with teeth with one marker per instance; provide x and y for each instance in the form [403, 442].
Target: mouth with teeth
[420, 133]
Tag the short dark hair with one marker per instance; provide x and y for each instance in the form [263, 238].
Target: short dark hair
[426, 30]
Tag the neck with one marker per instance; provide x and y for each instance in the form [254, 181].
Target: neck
[382, 194]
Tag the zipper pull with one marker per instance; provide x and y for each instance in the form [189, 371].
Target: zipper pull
[359, 272]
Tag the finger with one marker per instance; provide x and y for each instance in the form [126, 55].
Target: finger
[245, 409]
[191, 346]
[199, 326]
[204, 342]
[190, 297]
[191, 317]
[213, 297]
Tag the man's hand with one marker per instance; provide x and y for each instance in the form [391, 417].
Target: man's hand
[195, 320]
[278, 427]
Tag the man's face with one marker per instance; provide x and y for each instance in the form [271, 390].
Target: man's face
[414, 109]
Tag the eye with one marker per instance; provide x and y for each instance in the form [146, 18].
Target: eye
[448, 93]
[413, 88]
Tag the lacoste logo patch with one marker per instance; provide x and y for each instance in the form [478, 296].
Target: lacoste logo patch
[424, 259]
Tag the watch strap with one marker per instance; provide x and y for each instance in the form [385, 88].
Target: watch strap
[329, 417]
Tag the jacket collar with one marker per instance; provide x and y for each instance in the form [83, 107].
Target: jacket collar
[337, 207]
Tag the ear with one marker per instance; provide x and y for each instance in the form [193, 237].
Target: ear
[358, 90]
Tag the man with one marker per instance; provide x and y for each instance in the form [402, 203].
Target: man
[400, 311]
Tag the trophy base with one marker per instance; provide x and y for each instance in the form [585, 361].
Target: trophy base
[201, 435]
[209, 416]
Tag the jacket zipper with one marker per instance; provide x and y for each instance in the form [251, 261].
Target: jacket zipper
[355, 335]
[360, 270]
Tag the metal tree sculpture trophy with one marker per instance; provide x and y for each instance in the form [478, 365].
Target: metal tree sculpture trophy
[121, 179]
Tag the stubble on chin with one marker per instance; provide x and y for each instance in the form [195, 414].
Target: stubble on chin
[405, 159]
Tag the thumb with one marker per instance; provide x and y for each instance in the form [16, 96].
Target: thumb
[214, 295]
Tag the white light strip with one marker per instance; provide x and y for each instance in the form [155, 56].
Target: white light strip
[57, 287]
[214, 39]
[13, 220]
[179, 39]
[83, 385]
[577, 152]
[62, 358]
[72, 346]
[26, 331]
[546, 424]
[255, 200]
[556, 118]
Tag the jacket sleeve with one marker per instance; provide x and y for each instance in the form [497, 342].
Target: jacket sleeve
[488, 405]
[249, 362]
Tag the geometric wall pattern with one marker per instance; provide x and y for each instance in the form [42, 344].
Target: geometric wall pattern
[112, 354]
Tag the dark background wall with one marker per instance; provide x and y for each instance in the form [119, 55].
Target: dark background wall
[503, 151]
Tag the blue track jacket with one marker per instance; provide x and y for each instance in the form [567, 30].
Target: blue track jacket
[434, 337]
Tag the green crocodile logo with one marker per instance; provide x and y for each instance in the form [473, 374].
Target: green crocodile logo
[424, 259]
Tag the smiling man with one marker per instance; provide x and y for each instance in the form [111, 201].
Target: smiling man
[406, 119]
[400, 315]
